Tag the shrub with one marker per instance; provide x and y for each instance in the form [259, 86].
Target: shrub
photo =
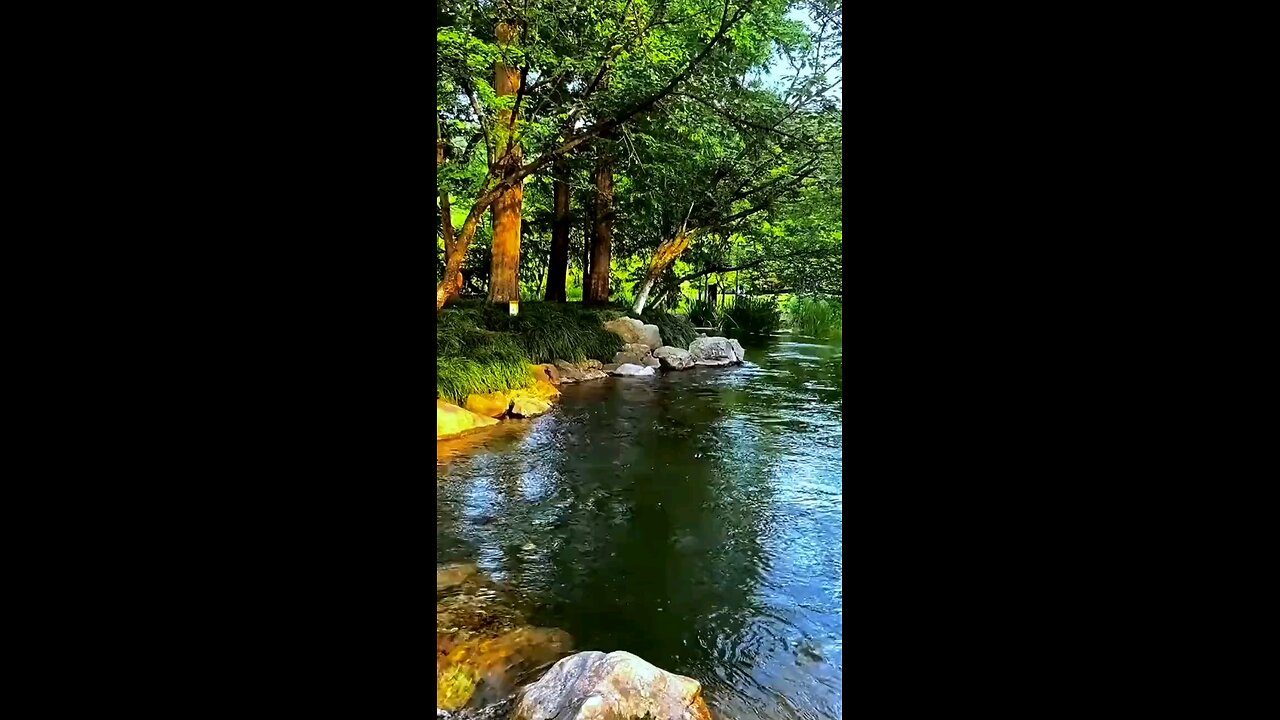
[702, 313]
[471, 359]
[752, 316]
[556, 331]
[813, 316]
[675, 329]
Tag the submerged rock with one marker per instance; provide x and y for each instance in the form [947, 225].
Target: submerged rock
[673, 358]
[713, 350]
[618, 686]
[452, 420]
[454, 574]
[526, 407]
[631, 369]
[484, 646]
[480, 671]
[492, 404]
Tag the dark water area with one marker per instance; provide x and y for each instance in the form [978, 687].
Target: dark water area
[693, 519]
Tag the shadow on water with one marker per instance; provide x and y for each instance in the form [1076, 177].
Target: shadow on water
[693, 519]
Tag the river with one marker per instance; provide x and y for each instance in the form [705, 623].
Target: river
[693, 518]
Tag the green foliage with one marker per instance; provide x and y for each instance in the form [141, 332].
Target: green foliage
[814, 316]
[675, 329]
[752, 316]
[471, 359]
[546, 332]
[703, 314]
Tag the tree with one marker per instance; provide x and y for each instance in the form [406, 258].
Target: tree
[464, 51]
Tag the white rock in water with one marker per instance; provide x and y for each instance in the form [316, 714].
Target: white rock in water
[712, 350]
[595, 686]
[632, 369]
[673, 358]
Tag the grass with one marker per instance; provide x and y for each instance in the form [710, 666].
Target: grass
[752, 316]
[817, 317]
[481, 347]
[471, 359]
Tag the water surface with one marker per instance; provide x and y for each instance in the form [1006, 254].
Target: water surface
[693, 519]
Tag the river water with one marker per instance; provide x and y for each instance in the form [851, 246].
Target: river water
[693, 519]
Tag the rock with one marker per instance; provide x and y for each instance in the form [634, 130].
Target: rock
[632, 369]
[480, 671]
[589, 364]
[540, 390]
[455, 574]
[628, 329]
[650, 361]
[594, 375]
[618, 686]
[712, 349]
[568, 373]
[610, 367]
[651, 336]
[526, 407]
[737, 348]
[715, 363]
[638, 348]
[623, 358]
[492, 404]
[452, 420]
[484, 645]
[673, 358]
[546, 372]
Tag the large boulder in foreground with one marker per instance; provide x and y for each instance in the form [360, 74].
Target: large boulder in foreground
[632, 369]
[714, 351]
[618, 686]
[674, 358]
[452, 420]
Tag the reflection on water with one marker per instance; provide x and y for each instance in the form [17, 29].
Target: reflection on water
[693, 519]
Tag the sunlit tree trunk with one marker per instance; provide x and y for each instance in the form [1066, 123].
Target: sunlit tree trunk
[446, 216]
[598, 289]
[665, 256]
[504, 275]
[558, 266]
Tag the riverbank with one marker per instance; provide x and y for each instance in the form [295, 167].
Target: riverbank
[492, 365]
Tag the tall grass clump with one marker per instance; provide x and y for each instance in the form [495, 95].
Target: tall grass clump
[813, 316]
[752, 316]
[471, 359]
[703, 313]
[557, 331]
[675, 329]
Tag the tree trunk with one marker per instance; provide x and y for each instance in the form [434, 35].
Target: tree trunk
[588, 239]
[446, 214]
[504, 275]
[558, 266]
[600, 246]
[664, 257]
